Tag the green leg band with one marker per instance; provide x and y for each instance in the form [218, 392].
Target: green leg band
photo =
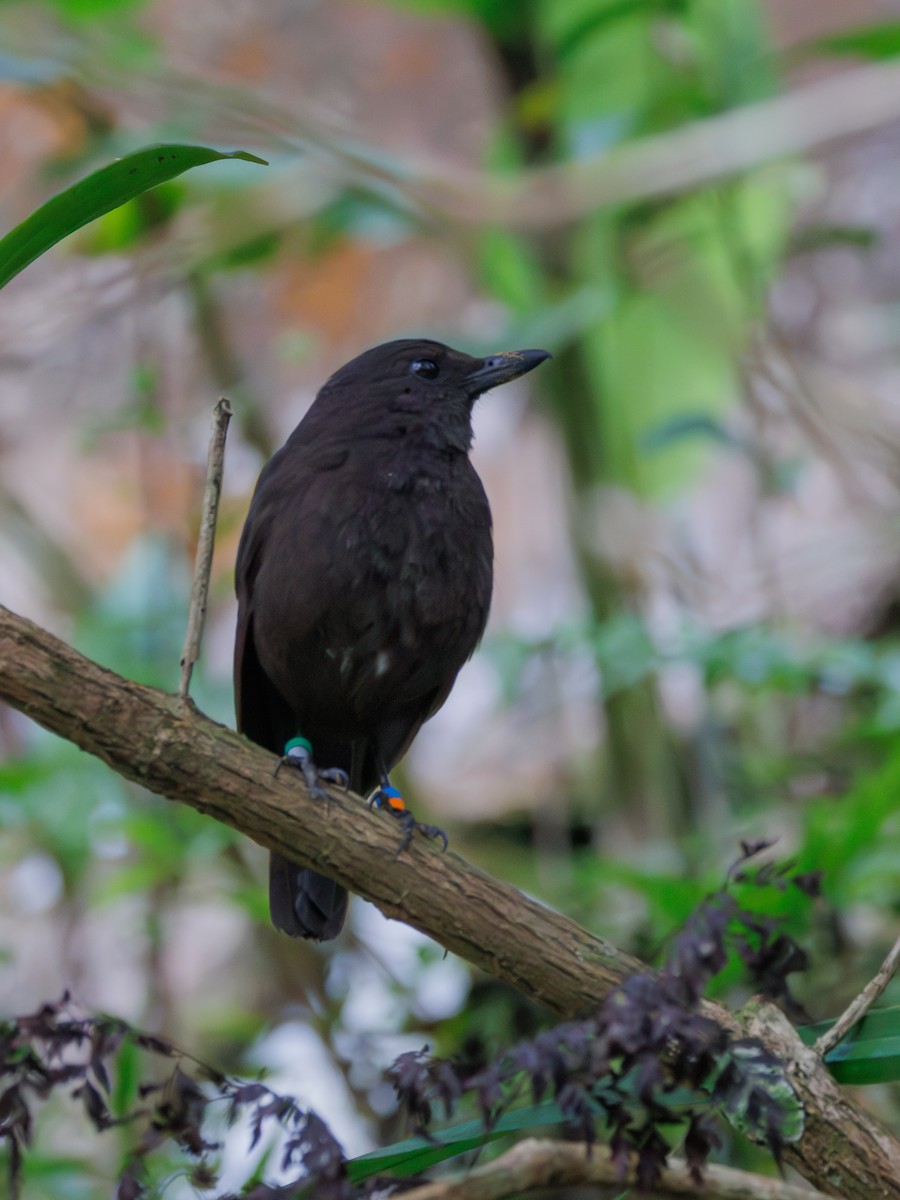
[298, 743]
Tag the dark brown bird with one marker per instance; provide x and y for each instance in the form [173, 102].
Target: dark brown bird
[364, 580]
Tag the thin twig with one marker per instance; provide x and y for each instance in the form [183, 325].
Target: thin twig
[855, 1012]
[203, 563]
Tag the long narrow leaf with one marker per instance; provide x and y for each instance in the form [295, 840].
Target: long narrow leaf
[417, 1154]
[877, 42]
[99, 193]
[869, 1054]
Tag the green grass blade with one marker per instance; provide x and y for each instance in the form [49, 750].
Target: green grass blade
[416, 1154]
[99, 193]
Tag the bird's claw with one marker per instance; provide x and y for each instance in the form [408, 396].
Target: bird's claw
[389, 798]
[337, 776]
[433, 831]
[300, 759]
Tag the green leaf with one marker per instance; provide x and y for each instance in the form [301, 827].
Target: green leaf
[689, 425]
[869, 1054]
[498, 16]
[759, 1071]
[256, 250]
[417, 1154]
[874, 41]
[595, 19]
[99, 193]
[87, 10]
[127, 1079]
[826, 237]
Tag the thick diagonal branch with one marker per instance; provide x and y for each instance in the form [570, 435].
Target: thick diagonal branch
[165, 744]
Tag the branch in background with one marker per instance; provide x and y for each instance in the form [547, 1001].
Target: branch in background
[203, 563]
[855, 101]
[537, 1164]
[855, 1011]
[165, 744]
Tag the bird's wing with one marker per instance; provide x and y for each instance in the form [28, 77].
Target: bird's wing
[261, 711]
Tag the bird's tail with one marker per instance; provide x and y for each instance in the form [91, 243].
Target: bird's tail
[303, 903]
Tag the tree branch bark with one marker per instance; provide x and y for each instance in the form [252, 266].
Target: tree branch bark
[164, 743]
[535, 1164]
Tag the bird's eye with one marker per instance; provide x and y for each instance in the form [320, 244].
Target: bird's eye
[425, 368]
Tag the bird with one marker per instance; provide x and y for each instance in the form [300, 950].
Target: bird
[364, 577]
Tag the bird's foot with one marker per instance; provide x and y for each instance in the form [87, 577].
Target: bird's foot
[389, 798]
[298, 754]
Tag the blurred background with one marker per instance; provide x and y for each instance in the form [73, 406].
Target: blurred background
[695, 205]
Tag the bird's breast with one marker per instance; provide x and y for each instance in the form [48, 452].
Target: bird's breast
[419, 578]
[429, 542]
[376, 593]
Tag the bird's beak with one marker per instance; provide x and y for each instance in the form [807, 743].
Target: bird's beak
[501, 368]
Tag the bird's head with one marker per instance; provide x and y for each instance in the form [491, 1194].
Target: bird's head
[422, 387]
